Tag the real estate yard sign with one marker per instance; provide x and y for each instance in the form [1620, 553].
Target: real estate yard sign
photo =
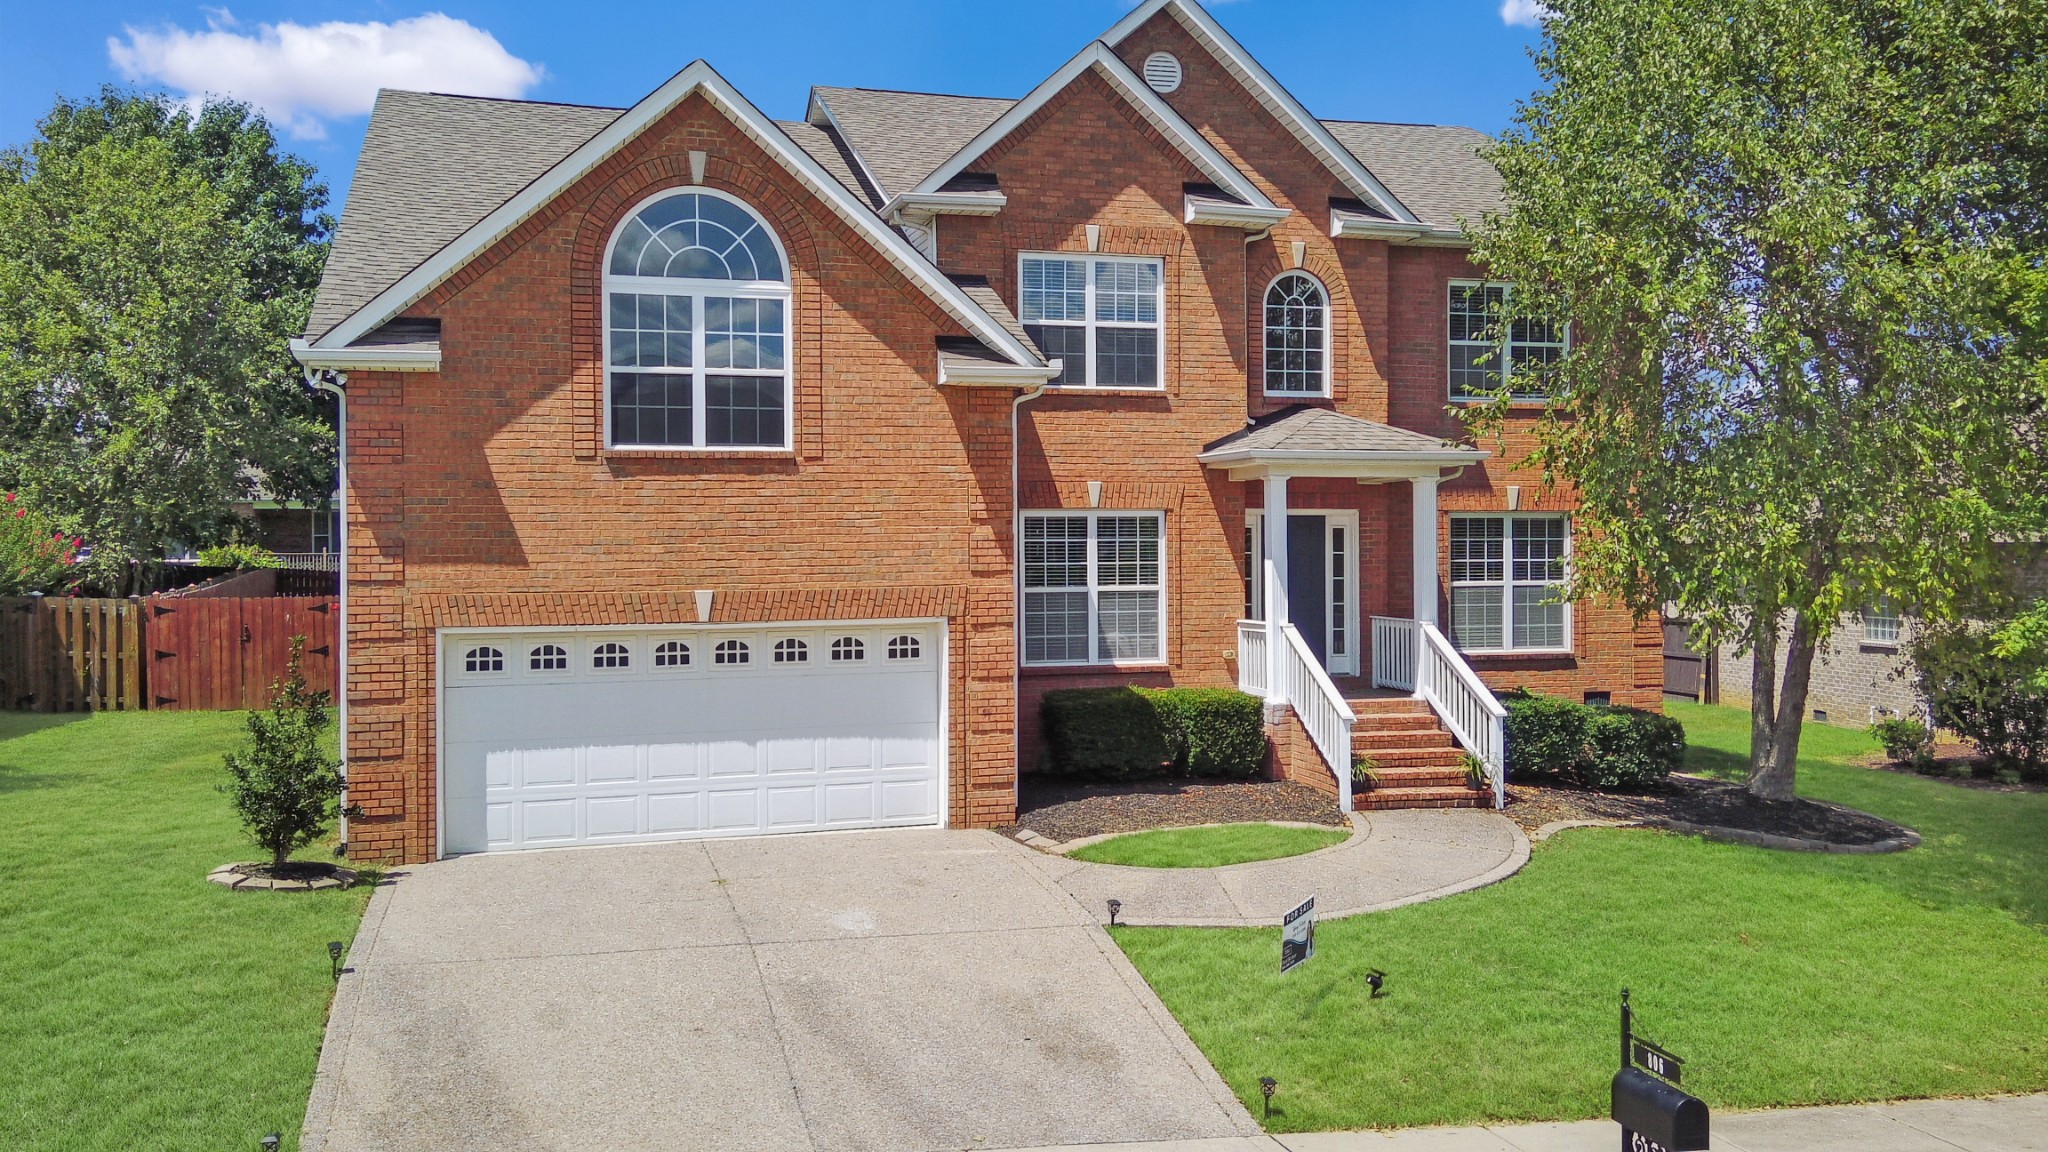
[1298, 935]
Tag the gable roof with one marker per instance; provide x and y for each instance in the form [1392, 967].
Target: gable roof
[698, 78]
[1268, 92]
[1302, 430]
[1097, 59]
[1438, 172]
[901, 137]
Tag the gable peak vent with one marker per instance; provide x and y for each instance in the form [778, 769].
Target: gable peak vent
[1162, 72]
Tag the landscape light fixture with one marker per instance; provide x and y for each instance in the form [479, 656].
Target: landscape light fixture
[334, 950]
[1115, 906]
[272, 1141]
[1375, 980]
[1266, 1086]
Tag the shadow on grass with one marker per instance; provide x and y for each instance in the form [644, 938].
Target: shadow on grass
[14, 725]
[15, 778]
[1716, 763]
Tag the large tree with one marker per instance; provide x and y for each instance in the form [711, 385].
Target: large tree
[154, 265]
[1799, 244]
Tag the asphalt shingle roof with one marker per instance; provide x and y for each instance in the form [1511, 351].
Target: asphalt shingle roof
[904, 136]
[1304, 429]
[1436, 171]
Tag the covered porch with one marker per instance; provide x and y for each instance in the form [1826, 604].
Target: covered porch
[1322, 630]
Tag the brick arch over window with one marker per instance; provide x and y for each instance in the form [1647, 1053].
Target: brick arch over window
[1347, 325]
[770, 198]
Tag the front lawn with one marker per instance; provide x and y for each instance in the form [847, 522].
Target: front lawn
[1785, 978]
[1214, 846]
[140, 1006]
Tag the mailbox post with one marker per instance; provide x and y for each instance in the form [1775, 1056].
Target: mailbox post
[1654, 1113]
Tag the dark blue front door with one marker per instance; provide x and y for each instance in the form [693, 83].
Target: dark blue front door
[1308, 582]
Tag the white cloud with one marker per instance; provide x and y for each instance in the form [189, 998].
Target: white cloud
[1527, 13]
[301, 75]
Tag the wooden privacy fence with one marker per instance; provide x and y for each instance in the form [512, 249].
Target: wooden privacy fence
[1687, 673]
[210, 653]
[70, 654]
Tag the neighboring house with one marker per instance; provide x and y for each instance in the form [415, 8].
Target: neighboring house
[712, 475]
[1865, 670]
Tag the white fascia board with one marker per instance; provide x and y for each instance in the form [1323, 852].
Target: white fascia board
[1351, 226]
[946, 204]
[698, 77]
[981, 375]
[1268, 92]
[820, 110]
[1156, 111]
[1366, 463]
[1233, 215]
[367, 359]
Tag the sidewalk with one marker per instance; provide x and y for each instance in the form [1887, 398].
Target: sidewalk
[2004, 1124]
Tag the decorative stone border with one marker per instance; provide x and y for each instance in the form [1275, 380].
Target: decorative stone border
[227, 877]
[1556, 826]
[1062, 848]
[1790, 843]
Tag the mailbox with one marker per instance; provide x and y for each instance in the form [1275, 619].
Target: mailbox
[1661, 1114]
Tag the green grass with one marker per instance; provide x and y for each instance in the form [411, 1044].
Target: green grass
[1211, 847]
[1785, 978]
[140, 1006]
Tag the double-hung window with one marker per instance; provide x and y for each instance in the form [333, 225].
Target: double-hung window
[1094, 587]
[696, 329]
[1507, 583]
[1483, 358]
[1101, 315]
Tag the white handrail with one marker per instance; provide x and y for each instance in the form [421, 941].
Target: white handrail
[1467, 707]
[1393, 653]
[1322, 709]
[1251, 656]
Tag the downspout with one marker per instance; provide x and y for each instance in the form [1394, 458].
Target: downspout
[327, 380]
[1017, 570]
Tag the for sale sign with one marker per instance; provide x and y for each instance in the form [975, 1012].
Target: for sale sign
[1298, 935]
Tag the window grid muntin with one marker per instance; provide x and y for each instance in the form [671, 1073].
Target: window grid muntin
[1471, 310]
[611, 655]
[849, 649]
[904, 648]
[483, 659]
[731, 652]
[672, 654]
[1882, 623]
[792, 651]
[1505, 573]
[1297, 336]
[1118, 328]
[1108, 609]
[703, 406]
[548, 658]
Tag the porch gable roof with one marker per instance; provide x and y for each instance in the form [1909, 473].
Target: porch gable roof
[1307, 441]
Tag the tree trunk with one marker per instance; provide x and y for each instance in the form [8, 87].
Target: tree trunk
[1763, 690]
[1774, 774]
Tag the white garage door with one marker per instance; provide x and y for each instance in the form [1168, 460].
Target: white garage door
[609, 736]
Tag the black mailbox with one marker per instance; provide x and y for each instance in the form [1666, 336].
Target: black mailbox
[1660, 1113]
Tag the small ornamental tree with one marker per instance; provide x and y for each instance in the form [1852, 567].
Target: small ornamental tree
[285, 786]
[35, 556]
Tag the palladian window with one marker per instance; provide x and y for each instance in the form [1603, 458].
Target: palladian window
[697, 328]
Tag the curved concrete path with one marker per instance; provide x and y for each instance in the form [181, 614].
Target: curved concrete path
[1392, 858]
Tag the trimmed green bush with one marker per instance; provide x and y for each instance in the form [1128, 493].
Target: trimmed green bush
[1995, 702]
[1613, 748]
[1135, 733]
[1905, 742]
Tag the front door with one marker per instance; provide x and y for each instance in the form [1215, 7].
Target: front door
[1322, 571]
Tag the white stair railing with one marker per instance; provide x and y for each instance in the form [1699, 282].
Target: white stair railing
[1463, 702]
[1322, 708]
[1393, 653]
[1251, 656]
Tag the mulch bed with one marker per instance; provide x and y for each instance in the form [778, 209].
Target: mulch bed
[1691, 800]
[1064, 810]
[1957, 764]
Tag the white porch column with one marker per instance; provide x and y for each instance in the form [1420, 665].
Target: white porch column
[1424, 534]
[1275, 549]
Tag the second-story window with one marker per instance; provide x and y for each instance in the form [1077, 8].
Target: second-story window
[1483, 358]
[1297, 337]
[696, 328]
[1101, 315]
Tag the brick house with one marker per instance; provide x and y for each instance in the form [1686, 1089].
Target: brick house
[712, 475]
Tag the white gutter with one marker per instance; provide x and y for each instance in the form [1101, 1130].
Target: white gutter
[946, 204]
[337, 384]
[1350, 226]
[1219, 215]
[991, 375]
[370, 358]
[1446, 456]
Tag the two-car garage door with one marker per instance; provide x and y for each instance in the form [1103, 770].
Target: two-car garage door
[604, 736]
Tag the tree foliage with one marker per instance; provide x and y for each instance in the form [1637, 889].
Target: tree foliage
[1800, 245]
[154, 265]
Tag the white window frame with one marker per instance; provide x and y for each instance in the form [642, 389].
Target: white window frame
[1095, 588]
[1265, 331]
[1336, 569]
[697, 290]
[1507, 583]
[1089, 322]
[1883, 627]
[1503, 350]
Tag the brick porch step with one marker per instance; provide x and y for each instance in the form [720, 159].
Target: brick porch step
[1374, 739]
[1439, 758]
[1420, 777]
[1389, 799]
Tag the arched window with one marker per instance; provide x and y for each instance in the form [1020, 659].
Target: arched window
[672, 654]
[730, 652]
[849, 648]
[610, 656]
[903, 648]
[1297, 336]
[697, 328]
[792, 651]
[548, 658]
[483, 660]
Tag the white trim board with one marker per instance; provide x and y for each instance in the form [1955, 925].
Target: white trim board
[698, 77]
[1268, 92]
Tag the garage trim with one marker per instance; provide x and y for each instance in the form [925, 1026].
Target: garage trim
[945, 704]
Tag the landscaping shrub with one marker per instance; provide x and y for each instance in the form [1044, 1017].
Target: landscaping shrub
[34, 555]
[1134, 733]
[1996, 702]
[1905, 742]
[1614, 748]
[285, 786]
[241, 557]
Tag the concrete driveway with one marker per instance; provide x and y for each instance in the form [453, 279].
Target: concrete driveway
[893, 990]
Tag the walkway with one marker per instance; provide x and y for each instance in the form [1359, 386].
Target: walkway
[2006, 1124]
[1393, 858]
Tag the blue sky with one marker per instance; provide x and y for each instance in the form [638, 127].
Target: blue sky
[315, 66]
